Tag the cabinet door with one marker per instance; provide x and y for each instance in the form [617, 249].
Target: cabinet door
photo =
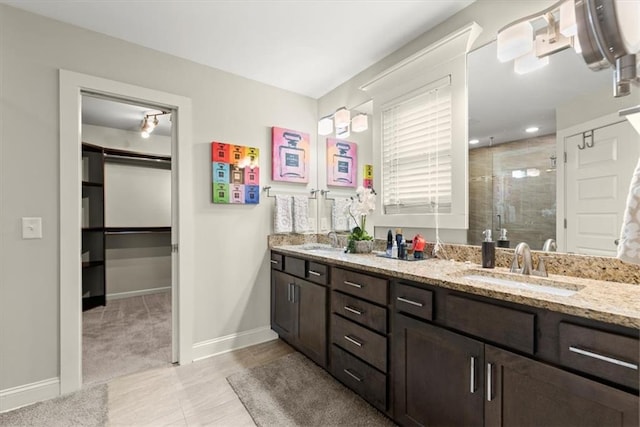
[522, 392]
[283, 308]
[438, 379]
[311, 300]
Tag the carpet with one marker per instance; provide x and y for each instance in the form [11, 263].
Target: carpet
[87, 407]
[293, 391]
[126, 336]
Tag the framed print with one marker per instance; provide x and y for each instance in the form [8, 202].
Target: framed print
[342, 162]
[235, 174]
[290, 155]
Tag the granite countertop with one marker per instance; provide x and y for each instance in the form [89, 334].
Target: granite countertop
[610, 302]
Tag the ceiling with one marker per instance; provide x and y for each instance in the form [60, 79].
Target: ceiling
[304, 46]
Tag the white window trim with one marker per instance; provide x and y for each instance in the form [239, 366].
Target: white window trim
[445, 57]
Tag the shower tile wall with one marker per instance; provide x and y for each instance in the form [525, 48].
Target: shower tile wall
[517, 181]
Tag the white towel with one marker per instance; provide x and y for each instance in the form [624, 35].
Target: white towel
[342, 221]
[629, 244]
[282, 215]
[300, 214]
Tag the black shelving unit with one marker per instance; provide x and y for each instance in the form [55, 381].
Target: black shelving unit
[93, 248]
[93, 222]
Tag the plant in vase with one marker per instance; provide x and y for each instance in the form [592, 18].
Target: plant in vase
[362, 204]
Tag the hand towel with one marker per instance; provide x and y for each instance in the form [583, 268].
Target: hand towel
[300, 214]
[282, 215]
[342, 221]
[629, 243]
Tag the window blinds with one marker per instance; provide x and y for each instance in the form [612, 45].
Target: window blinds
[416, 153]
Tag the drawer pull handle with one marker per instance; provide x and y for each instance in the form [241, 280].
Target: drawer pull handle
[472, 381]
[352, 375]
[352, 341]
[489, 382]
[603, 358]
[314, 273]
[353, 310]
[273, 261]
[355, 285]
[408, 301]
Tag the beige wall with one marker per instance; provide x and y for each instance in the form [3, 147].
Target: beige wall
[231, 286]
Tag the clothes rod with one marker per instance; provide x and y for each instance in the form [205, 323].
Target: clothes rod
[141, 159]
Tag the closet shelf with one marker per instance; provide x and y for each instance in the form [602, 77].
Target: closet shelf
[87, 264]
[136, 230]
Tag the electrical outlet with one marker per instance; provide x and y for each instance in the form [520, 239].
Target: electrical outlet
[324, 224]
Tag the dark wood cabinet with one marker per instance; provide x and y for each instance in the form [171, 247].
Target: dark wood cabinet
[523, 392]
[299, 312]
[438, 376]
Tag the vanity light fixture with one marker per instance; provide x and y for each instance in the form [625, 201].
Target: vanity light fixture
[343, 123]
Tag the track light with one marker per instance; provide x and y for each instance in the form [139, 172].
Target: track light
[149, 123]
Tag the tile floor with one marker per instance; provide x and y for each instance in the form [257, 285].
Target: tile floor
[197, 394]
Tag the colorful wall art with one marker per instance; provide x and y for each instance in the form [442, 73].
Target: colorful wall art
[235, 174]
[367, 176]
[290, 155]
[342, 162]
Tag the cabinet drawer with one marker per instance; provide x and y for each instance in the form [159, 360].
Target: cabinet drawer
[360, 311]
[416, 301]
[277, 261]
[603, 354]
[360, 377]
[361, 285]
[317, 273]
[367, 345]
[295, 266]
[501, 325]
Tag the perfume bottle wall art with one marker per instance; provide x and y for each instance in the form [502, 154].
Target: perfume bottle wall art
[235, 174]
[290, 155]
[367, 176]
[342, 162]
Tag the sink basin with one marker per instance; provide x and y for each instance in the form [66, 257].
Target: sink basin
[527, 283]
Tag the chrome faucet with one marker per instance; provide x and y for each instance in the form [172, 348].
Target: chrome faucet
[527, 264]
[333, 238]
[521, 249]
[550, 246]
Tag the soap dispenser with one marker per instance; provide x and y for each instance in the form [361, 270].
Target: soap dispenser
[503, 241]
[488, 250]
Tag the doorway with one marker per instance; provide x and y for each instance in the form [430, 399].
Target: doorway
[72, 87]
[126, 238]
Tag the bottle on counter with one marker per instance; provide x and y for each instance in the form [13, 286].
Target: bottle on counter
[389, 243]
[488, 250]
[503, 241]
[394, 250]
[402, 249]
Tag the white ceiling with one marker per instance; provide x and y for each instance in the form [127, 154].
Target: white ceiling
[305, 46]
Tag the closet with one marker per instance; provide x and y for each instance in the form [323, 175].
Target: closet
[126, 223]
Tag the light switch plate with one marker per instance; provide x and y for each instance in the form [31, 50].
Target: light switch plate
[32, 228]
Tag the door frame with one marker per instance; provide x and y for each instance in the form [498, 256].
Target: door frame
[72, 86]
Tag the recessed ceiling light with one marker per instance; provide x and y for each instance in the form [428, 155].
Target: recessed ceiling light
[532, 129]
[473, 141]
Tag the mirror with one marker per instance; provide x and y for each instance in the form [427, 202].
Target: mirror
[512, 173]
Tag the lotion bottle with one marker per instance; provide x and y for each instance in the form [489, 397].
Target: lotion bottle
[488, 250]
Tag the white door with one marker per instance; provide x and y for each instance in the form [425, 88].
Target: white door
[598, 171]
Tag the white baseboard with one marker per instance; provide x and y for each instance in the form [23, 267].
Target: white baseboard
[15, 397]
[129, 294]
[210, 348]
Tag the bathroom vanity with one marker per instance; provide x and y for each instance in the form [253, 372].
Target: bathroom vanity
[439, 342]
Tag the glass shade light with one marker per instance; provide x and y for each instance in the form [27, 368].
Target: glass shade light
[342, 117]
[325, 126]
[568, 25]
[360, 123]
[529, 62]
[515, 41]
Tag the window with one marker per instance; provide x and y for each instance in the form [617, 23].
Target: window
[416, 152]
